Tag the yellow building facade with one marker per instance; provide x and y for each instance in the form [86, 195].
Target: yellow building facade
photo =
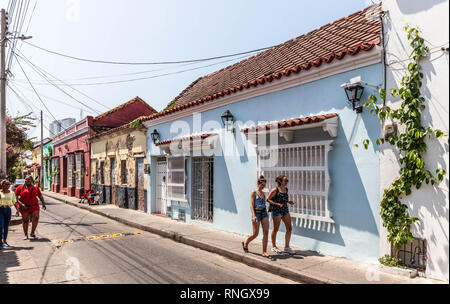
[119, 166]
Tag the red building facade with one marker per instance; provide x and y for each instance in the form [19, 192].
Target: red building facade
[71, 160]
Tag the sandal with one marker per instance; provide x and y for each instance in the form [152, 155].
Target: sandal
[243, 247]
[267, 256]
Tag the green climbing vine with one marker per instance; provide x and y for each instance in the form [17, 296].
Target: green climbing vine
[136, 123]
[410, 142]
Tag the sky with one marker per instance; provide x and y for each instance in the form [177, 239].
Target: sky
[146, 31]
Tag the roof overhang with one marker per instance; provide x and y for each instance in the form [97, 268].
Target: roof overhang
[187, 144]
[328, 122]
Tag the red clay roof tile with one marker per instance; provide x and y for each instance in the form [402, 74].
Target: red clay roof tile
[347, 36]
[291, 123]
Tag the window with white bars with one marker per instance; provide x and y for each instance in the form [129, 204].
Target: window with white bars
[306, 167]
[176, 178]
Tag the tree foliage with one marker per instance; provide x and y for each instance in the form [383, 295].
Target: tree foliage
[17, 142]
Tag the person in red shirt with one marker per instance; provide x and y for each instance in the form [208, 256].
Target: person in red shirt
[27, 196]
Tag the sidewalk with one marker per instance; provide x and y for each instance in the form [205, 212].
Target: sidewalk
[304, 267]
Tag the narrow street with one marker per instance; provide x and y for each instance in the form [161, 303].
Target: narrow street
[124, 255]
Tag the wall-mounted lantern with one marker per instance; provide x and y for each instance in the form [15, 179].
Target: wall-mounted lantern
[354, 93]
[155, 136]
[228, 121]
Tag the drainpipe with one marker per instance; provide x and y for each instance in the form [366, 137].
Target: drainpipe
[383, 55]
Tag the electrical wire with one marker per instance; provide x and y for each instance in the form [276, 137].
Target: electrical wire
[10, 67]
[50, 81]
[36, 69]
[35, 114]
[50, 98]
[146, 78]
[124, 74]
[145, 63]
[39, 97]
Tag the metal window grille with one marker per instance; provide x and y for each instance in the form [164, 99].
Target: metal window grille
[413, 254]
[113, 171]
[182, 215]
[123, 172]
[306, 167]
[80, 170]
[176, 178]
[70, 169]
[202, 189]
[102, 173]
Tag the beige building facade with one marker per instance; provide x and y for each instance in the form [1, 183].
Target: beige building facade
[119, 166]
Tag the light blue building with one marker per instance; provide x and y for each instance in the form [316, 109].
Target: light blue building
[287, 114]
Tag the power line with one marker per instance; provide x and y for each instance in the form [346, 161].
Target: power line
[51, 82]
[51, 98]
[39, 97]
[123, 74]
[30, 107]
[36, 69]
[147, 78]
[145, 63]
[10, 67]
[54, 77]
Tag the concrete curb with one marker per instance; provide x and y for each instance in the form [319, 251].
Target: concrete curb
[15, 222]
[232, 255]
[409, 273]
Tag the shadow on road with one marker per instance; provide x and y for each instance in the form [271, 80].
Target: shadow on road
[65, 224]
[9, 259]
[40, 240]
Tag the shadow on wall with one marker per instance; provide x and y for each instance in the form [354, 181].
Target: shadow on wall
[353, 207]
[434, 201]
[225, 200]
[409, 7]
[429, 202]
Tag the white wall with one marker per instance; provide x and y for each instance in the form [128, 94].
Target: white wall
[430, 204]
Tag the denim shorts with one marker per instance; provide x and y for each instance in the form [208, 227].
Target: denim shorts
[276, 214]
[261, 216]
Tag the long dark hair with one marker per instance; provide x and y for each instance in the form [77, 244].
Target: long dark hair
[279, 180]
[261, 180]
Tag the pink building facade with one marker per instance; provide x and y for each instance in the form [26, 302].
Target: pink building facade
[71, 159]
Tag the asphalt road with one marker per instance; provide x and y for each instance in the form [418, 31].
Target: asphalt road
[123, 256]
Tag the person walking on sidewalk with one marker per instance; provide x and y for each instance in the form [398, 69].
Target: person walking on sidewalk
[279, 200]
[7, 200]
[27, 196]
[259, 216]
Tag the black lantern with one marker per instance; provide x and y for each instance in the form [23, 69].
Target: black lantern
[354, 94]
[155, 136]
[228, 120]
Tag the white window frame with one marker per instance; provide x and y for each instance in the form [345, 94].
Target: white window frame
[170, 196]
[306, 166]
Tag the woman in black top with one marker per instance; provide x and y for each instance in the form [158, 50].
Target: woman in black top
[279, 200]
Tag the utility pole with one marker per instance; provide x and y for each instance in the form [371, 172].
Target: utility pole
[4, 29]
[21, 163]
[41, 176]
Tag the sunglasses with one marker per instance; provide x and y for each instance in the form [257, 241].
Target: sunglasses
[285, 180]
